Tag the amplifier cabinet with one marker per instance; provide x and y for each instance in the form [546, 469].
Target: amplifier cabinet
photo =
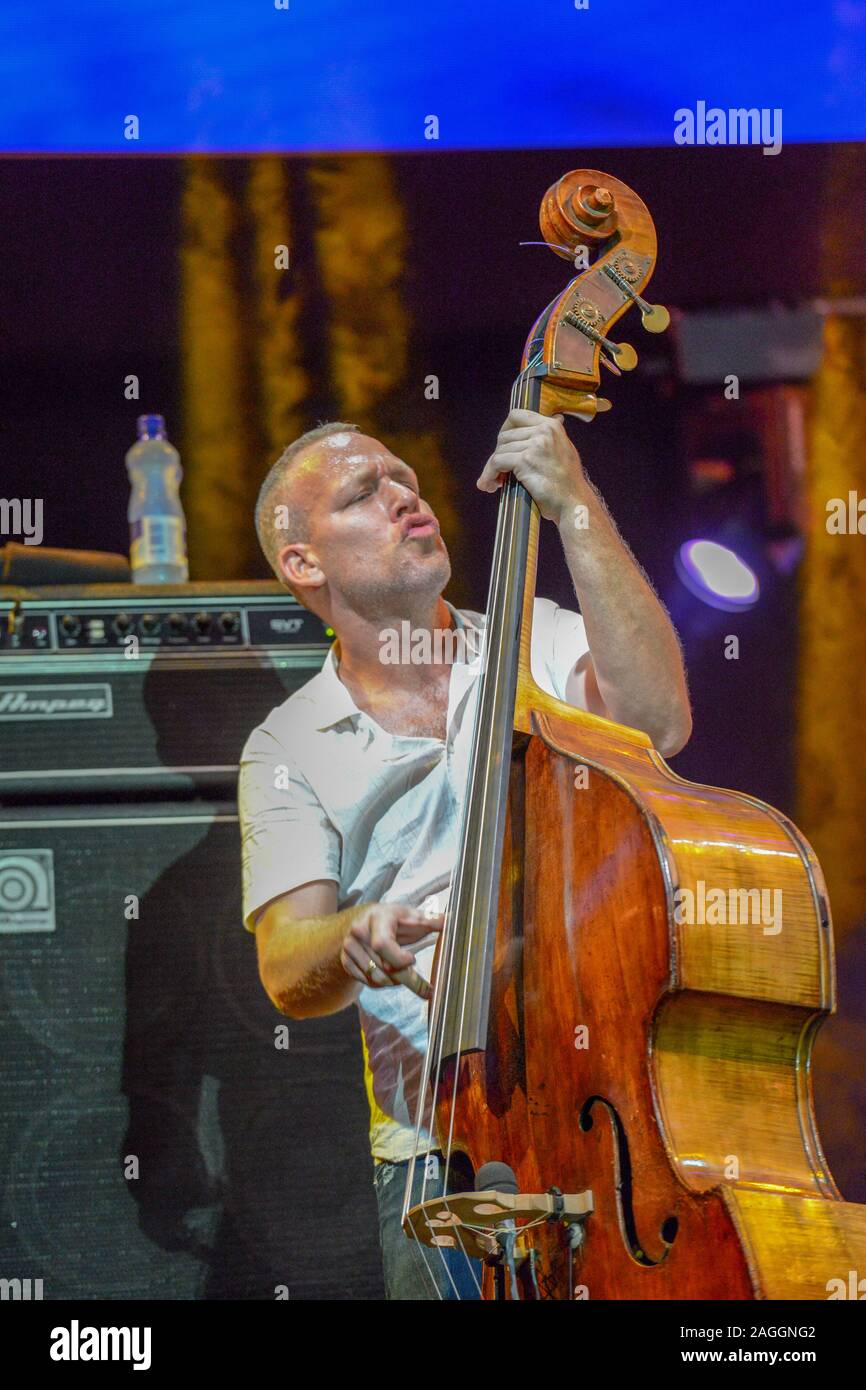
[164, 1131]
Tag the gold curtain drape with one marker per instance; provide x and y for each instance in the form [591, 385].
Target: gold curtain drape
[215, 443]
[832, 671]
[281, 378]
[269, 352]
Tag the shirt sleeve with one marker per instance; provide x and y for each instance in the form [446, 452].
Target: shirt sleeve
[558, 643]
[286, 837]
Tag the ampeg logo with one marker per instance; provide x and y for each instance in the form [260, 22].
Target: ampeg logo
[61, 701]
[27, 891]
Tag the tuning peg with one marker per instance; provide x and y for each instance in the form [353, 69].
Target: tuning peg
[621, 356]
[626, 357]
[586, 405]
[654, 317]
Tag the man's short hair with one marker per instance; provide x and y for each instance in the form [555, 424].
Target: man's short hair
[272, 538]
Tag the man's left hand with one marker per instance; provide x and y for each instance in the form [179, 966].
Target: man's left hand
[537, 450]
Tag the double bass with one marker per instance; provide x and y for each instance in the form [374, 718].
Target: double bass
[632, 1091]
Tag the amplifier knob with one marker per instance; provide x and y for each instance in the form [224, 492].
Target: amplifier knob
[150, 623]
[230, 623]
[177, 623]
[70, 625]
[202, 623]
[122, 623]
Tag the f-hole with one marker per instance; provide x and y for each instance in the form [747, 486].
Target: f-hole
[624, 1193]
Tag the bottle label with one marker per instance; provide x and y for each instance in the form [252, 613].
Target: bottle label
[157, 540]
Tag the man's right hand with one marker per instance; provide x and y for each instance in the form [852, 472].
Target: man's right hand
[374, 949]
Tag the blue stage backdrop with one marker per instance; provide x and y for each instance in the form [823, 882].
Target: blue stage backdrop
[335, 75]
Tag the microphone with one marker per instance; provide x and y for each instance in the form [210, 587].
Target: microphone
[498, 1177]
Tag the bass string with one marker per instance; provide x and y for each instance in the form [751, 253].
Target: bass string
[445, 973]
[442, 986]
[518, 395]
[445, 977]
[439, 1002]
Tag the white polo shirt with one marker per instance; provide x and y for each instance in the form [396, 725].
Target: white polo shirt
[326, 793]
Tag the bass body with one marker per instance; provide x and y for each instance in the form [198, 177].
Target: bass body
[634, 967]
[658, 1060]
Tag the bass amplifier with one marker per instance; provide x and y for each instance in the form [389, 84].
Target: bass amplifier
[126, 689]
[164, 1131]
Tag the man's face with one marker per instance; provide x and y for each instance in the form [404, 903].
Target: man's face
[373, 537]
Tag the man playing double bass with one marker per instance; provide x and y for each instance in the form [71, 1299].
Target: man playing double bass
[350, 791]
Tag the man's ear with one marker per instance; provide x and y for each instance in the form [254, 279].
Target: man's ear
[299, 565]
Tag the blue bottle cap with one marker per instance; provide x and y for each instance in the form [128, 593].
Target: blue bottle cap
[151, 427]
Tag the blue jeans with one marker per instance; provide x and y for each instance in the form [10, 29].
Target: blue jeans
[419, 1271]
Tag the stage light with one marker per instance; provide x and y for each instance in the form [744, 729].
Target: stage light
[717, 575]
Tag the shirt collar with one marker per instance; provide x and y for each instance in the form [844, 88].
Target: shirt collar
[331, 697]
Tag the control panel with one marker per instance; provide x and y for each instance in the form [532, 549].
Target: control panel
[127, 622]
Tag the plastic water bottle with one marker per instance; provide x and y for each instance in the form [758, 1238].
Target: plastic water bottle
[157, 529]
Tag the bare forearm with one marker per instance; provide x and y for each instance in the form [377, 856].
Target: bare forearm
[636, 655]
[635, 650]
[303, 975]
